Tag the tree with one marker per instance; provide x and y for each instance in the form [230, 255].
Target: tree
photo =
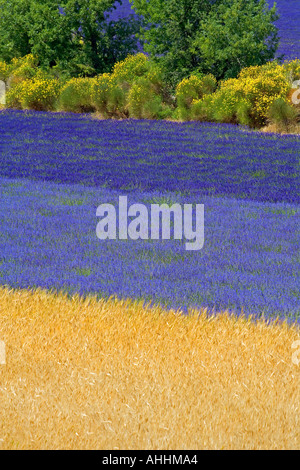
[168, 31]
[14, 29]
[75, 34]
[184, 35]
[98, 41]
[237, 34]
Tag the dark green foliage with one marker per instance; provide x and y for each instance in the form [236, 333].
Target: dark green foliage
[283, 113]
[210, 36]
[74, 36]
[75, 96]
[237, 34]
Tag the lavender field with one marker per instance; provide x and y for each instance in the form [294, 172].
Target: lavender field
[117, 333]
[56, 169]
[289, 28]
[219, 160]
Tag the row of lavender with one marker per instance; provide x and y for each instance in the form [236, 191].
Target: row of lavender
[194, 158]
[289, 28]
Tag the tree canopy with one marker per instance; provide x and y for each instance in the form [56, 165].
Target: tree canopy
[184, 36]
[209, 36]
[77, 34]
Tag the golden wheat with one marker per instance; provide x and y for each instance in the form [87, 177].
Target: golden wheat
[87, 374]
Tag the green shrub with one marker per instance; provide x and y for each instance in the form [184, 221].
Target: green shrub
[134, 89]
[21, 72]
[39, 94]
[76, 96]
[193, 89]
[293, 70]
[202, 110]
[24, 68]
[108, 97]
[14, 95]
[226, 101]
[145, 103]
[282, 113]
[246, 99]
[209, 84]
[134, 66]
[243, 112]
[127, 72]
[4, 70]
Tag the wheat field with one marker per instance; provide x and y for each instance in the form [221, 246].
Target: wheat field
[88, 374]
